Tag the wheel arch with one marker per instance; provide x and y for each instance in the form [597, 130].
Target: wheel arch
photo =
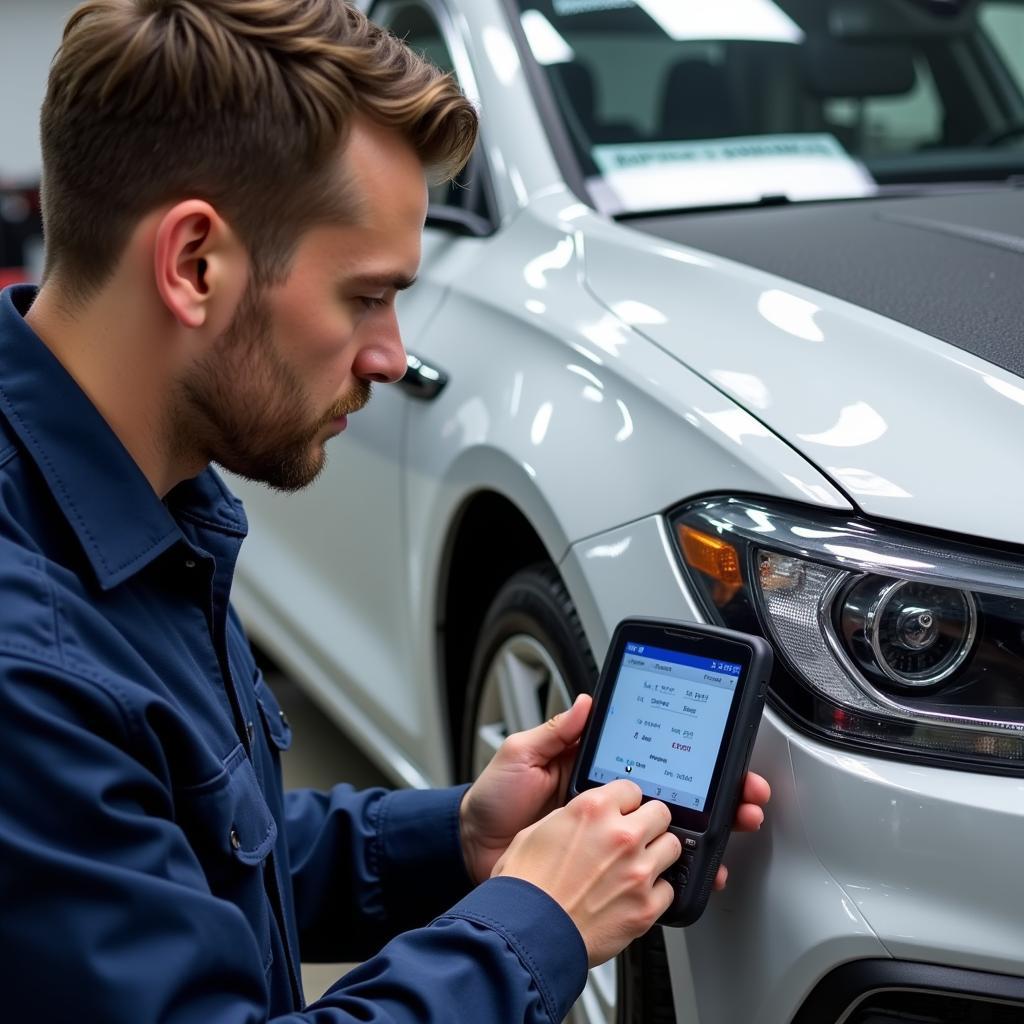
[473, 570]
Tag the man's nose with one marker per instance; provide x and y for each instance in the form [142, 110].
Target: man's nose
[382, 360]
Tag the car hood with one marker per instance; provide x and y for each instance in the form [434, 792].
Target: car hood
[882, 339]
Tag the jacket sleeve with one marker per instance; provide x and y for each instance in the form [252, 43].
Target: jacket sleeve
[108, 916]
[367, 865]
[505, 953]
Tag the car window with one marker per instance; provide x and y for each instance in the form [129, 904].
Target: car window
[1004, 25]
[420, 30]
[878, 125]
[418, 26]
[672, 104]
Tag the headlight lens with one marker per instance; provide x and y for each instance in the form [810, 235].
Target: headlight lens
[906, 634]
[886, 639]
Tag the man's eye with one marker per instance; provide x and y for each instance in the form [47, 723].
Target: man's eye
[372, 301]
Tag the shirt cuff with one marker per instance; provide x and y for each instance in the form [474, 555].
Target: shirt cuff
[538, 930]
[423, 869]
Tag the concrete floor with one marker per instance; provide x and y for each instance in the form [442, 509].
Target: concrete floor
[320, 755]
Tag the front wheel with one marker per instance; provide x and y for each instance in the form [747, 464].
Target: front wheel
[530, 662]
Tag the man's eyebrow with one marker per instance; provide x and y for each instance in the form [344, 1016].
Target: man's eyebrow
[397, 281]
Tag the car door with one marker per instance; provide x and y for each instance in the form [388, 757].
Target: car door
[330, 563]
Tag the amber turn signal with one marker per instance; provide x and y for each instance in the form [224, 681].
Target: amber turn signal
[713, 557]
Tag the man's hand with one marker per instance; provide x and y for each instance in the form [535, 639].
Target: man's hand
[528, 778]
[599, 858]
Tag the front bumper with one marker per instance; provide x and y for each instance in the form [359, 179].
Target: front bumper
[860, 857]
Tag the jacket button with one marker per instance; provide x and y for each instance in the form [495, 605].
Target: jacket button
[190, 563]
[284, 720]
[236, 842]
[249, 731]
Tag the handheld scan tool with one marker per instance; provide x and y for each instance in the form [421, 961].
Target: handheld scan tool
[676, 711]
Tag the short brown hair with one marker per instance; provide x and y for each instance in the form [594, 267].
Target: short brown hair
[242, 103]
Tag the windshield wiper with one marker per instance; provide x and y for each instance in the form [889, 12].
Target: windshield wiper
[900, 190]
[769, 199]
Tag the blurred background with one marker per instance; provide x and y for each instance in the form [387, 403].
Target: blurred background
[30, 31]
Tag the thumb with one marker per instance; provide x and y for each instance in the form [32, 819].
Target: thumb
[545, 742]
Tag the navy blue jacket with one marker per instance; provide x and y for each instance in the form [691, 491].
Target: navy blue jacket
[151, 867]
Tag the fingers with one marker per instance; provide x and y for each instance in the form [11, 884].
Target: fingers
[545, 742]
[756, 789]
[721, 878]
[569, 724]
[756, 793]
[664, 894]
[652, 819]
[623, 794]
[646, 821]
[643, 822]
[665, 851]
[749, 818]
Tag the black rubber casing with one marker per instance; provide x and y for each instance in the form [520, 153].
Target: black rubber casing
[703, 834]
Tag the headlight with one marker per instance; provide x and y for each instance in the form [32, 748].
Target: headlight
[904, 633]
[886, 639]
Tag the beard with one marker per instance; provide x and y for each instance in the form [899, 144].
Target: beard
[244, 408]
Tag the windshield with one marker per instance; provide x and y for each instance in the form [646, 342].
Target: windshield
[696, 103]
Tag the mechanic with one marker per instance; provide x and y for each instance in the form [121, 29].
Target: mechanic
[234, 193]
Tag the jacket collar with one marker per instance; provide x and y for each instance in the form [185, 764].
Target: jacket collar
[118, 518]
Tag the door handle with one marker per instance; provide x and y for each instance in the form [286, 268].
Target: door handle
[422, 380]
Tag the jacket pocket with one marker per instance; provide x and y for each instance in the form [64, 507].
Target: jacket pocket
[275, 721]
[231, 830]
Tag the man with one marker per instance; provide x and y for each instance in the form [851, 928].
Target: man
[234, 193]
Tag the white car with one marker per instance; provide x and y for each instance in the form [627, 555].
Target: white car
[723, 322]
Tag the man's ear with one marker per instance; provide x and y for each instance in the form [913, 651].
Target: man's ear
[200, 266]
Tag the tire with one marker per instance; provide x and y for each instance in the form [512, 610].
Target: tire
[531, 660]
